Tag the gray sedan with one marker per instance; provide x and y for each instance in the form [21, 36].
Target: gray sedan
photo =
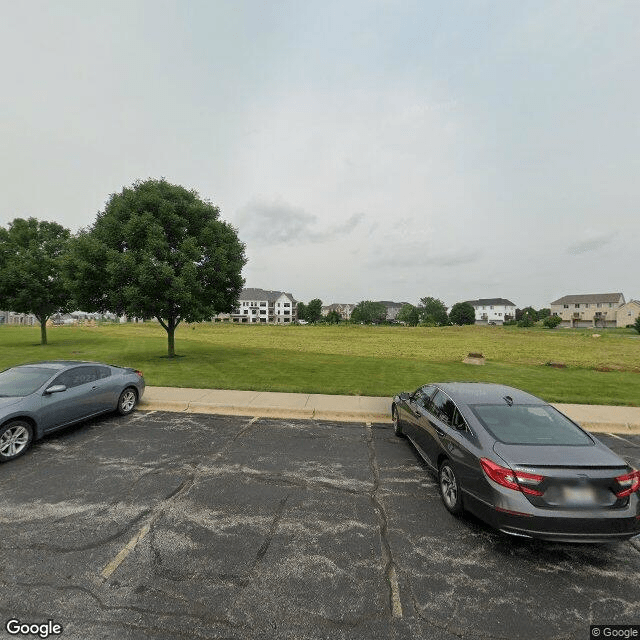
[36, 399]
[519, 464]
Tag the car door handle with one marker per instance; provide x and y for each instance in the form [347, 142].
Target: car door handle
[439, 431]
[417, 414]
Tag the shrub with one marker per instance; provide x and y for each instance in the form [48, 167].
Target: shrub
[636, 325]
[551, 322]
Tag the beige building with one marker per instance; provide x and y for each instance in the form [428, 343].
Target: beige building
[344, 309]
[628, 313]
[588, 310]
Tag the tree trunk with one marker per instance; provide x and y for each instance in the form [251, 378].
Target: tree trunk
[43, 328]
[171, 351]
[170, 327]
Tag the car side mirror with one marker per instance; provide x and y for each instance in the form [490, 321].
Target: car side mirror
[405, 396]
[56, 388]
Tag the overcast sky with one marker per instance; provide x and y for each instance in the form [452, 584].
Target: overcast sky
[369, 149]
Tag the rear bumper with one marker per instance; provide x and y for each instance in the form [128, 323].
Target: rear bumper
[521, 520]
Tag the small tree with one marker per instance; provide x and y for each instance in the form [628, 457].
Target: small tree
[636, 324]
[409, 315]
[32, 280]
[462, 313]
[433, 312]
[333, 317]
[158, 250]
[369, 312]
[551, 322]
[302, 311]
[313, 311]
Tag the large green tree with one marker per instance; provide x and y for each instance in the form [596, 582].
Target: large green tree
[462, 313]
[313, 311]
[433, 312]
[369, 312]
[159, 250]
[409, 314]
[31, 269]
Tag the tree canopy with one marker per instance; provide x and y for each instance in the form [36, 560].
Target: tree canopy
[158, 250]
[313, 311]
[32, 254]
[409, 314]
[462, 313]
[433, 312]
[369, 312]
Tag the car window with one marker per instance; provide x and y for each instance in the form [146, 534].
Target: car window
[77, 376]
[458, 422]
[103, 372]
[443, 407]
[422, 396]
[529, 424]
[21, 381]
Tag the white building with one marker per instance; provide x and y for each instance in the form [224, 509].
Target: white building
[259, 305]
[493, 310]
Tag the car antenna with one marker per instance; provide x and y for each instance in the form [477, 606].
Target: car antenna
[509, 400]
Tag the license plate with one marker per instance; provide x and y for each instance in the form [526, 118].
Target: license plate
[578, 495]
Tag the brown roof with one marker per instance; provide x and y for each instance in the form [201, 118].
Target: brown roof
[590, 297]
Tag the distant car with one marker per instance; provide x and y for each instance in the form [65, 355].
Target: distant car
[519, 464]
[36, 399]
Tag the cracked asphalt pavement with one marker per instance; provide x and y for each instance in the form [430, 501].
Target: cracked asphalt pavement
[167, 525]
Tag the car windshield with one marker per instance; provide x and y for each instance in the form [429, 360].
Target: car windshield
[529, 424]
[21, 381]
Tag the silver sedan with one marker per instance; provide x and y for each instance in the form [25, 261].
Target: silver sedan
[36, 399]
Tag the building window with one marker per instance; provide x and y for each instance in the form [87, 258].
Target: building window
[577, 306]
[263, 304]
[566, 306]
[599, 304]
[586, 305]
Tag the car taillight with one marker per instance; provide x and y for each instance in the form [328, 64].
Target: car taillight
[516, 480]
[629, 483]
[139, 373]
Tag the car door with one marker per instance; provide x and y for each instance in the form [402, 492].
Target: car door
[452, 436]
[75, 403]
[420, 415]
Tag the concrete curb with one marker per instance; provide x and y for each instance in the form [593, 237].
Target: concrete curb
[303, 406]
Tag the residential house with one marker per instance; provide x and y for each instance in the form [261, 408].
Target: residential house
[259, 305]
[11, 317]
[628, 313]
[344, 309]
[393, 309]
[588, 310]
[493, 310]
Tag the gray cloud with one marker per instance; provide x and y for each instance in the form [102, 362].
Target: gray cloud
[592, 243]
[279, 222]
[421, 255]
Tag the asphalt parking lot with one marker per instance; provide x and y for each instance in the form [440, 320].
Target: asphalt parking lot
[167, 525]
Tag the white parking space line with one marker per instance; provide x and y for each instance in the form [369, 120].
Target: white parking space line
[125, 551]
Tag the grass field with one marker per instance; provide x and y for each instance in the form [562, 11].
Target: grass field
[354, 359]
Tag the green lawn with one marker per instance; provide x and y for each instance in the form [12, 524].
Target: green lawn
[353, 359]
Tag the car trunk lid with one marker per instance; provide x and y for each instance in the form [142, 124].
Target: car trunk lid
[573, 477]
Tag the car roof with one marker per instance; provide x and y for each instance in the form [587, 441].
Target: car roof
[56, 364]
[486, 393]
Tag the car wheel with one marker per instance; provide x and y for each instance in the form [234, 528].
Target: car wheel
[397, 427]
[127, 401]
[450, 488]
[15, 439]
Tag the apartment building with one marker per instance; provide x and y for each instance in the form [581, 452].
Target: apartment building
[262, 306]
[493, 310]
[588, 310]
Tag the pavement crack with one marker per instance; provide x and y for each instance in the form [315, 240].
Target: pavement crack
[390, 569]
[264, 547]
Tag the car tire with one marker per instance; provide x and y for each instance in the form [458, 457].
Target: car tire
[397, 427]
[450, 488]
[15, 438]
[127, 401]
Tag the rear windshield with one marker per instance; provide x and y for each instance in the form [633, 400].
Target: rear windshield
[529, 424]
[21, 381]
